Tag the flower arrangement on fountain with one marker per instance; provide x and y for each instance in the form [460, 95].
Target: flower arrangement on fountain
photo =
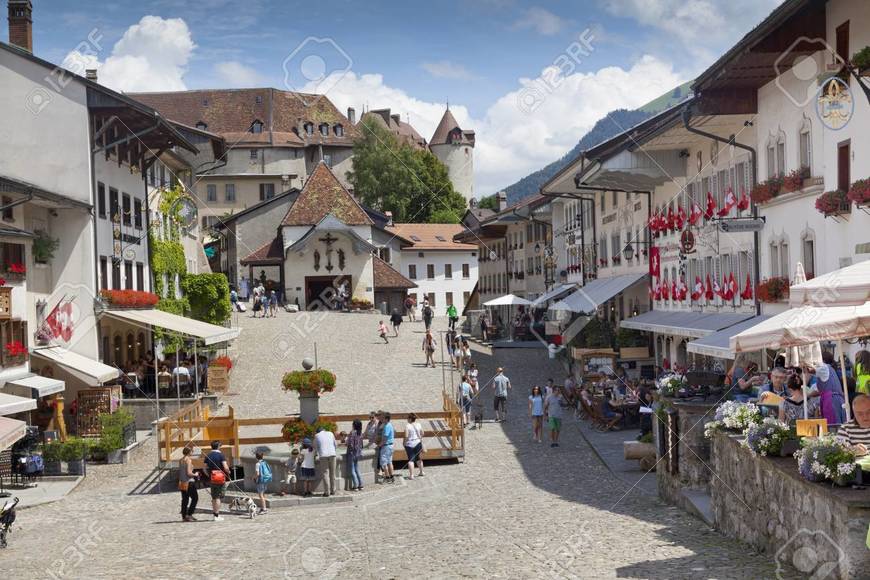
[826, 458]
[670, 385]
[767, 438]
[311, 383]
[734, 417]
[295, 430]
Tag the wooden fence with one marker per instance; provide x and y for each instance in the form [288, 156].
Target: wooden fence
[443, 433]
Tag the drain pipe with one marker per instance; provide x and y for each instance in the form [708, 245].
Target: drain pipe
[753, 165]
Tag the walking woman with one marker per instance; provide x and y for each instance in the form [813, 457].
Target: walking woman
[414, 445]
[536, 412]
[354, 452]
[187, 486]
[429, 348]
[396, 320]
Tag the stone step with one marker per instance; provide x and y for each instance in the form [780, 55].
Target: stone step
[699, 503]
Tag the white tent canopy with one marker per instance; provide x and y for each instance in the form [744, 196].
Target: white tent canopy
[12, 404]
[849, 286]
[11, 430]
[208, 333]
[508, 300]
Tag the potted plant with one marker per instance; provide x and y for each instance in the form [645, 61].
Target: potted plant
[16, 271]
[73, 452]
[861, 61]
[772, 289]
[52, 458]
[770, 437]
[296, 429]
[832, 203]
[859, 192]
[826, 458]
[112, 439]
[44, 247]
[733, 417]
[309, 384]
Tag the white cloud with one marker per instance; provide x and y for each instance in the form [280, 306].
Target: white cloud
[236, 74]
[152, 55]
[445, 69]
[512, 142]
[541, 21]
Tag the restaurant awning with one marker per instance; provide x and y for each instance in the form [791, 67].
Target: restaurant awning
[718, 343]
[587, 299]
[92, 372]
[557, 292]
[11, 404]
[34, 386]
[11, 430]
[208, 333]
[692, 324]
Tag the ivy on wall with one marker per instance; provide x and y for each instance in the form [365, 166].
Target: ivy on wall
[208, 296]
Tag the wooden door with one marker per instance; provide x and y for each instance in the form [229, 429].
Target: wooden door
[844, 160]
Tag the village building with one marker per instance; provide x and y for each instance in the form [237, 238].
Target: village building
[403, 131]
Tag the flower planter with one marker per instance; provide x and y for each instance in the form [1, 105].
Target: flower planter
[76, 467]
[52, 467]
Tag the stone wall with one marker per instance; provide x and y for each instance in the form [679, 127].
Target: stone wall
[765, 503]
[692, 454]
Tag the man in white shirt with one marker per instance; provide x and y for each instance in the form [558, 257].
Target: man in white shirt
[324, 447]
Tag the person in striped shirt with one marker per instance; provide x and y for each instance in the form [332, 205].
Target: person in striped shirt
[857, 431]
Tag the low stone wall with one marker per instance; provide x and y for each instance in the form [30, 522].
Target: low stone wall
[145, 411]
[277, 460]
[767, 504]
[687, 466]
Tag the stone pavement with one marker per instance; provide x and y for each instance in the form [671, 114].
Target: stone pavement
[608, 447]
[513, 509]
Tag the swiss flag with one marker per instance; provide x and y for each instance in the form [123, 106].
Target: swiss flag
[666, 290]
[747, 290]
[743, 203]
[711, 207]
[675, 290]
[698, 291]
[730, 202]
[717, 289]
[653, 223]
[732, 287]
[696, 214]
[681, 218]
[657, 294]
[708, 293]
[671, 224]
[684, 290]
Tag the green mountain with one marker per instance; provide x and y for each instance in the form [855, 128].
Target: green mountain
[612, 124]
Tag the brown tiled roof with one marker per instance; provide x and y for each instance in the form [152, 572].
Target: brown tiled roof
[448, 124]
[394, 124]
[425, 236]
[321, 195]
[385, 277]
[269, 253]
[226, 111]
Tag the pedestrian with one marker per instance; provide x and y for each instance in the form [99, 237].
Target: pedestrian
[262, 477]
[465, 394]
[466, 355]
[473, 373]
[386, 451]
[429, 345]
[411, 308]
[427, 315]
[553, 410]
[379, 442]
[396, 320]
[536, 412]
[292, 469]
[257, 303]
[484, 327]
[324, 446]
[187, 486]
[502, 385]
[457, 353]
[382, 331]
[234, 299]
[414, 445]
[371, 430]
[449, 339]
[273, 304]
[218, 473]
[307, 472]
[452, 316]
[352, 457]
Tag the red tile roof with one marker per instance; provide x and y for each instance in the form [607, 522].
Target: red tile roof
[321, 195]
[386, 278]
[269, 253]
[425, 236]
[394, 124]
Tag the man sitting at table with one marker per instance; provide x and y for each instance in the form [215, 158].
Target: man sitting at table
[744, 381]
[776, 383]
[857, 431]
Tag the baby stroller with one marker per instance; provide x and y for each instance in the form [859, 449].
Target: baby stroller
[7, 516]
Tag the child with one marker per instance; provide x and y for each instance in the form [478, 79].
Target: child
[382, 331]
[292, 465]
[262, 478]
[307, 473]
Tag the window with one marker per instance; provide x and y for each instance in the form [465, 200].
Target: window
[771, 162]
[201, 125]
[324, 129]
[339, 131]
[230, 192]
[431, 296]
[113, 204]
[805, 145]
[267, 191]
[162, 176]
[255, 154]
[386, 255]
[465, 297]
[309, 128]
[327, 158]
[128, 275]
[116, 274]
[152, 177]
[101, 199]
[412, 271]
[448, 298]
[12, 331]
[783, 260]
[126, 216]
[448, 271]
[430, 271]
[257, 127]
[104, 273]
[615, 243]
[258, 99]
[774, 260]
[211, 192]
[780, 156]
[809, 257]
[844, 169]
[466, 271]
[615, 200]
[602, 249]
[140, 276]
[137, 213]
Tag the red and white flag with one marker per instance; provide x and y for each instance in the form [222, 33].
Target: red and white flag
[711, 207]
[747, 290]
[666, 290]
[708, 293]
[698, 290]
[743, 203]
[732, 287]
[730, 202]
[670, 222]
[684, 290]
[680, 220]
[717, 289]
[696, 214]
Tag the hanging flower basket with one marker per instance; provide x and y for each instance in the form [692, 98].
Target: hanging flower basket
[129, 298]
[833, 203]
[295, 430]
[859, 192]
[772, 289]
[310, 383]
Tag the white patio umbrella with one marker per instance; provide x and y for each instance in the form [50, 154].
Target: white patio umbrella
[849, 286]
[508, 300]
[808, 355]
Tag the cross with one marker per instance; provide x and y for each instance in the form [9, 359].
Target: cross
[328, 240]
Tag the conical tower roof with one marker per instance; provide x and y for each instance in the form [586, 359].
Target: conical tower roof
[447, 126]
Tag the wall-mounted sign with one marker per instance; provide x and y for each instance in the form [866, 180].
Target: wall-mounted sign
[687, 242]
[741, 225]
[835, 105]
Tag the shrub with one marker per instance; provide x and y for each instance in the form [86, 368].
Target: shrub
[113, 424]
[861, 59]
[361, 303]
[311, 382]
[208, 296]
[74, 448]
[52, 451]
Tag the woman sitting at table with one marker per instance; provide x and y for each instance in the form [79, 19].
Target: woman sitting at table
[792, 407]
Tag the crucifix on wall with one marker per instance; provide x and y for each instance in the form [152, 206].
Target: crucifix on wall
[329, 239]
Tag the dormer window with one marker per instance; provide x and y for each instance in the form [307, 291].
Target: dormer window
[202, 125]
[339, 131]
[309, 129]
[259, 99]
[257, 127]
[324, 129]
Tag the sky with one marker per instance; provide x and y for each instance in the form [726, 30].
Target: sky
[531, 78]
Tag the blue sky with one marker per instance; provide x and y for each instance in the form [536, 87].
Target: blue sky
[413, 56]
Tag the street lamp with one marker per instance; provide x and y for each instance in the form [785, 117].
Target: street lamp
[628, 252]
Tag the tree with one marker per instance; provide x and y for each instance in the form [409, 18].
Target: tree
[413, 184]
[488, 202]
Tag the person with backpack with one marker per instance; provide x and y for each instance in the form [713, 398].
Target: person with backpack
[218, 472]
[396, 321]
[187, 486]
[262, 477]
[427, 315]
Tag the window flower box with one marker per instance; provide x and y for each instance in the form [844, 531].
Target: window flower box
[833, 203]
[794, 181]
[15, 271]
[773, 289]
[765, 191]
[16, 353]
[129, 298]
[859, 192]
[617, 260]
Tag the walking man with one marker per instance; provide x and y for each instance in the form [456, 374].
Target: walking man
[502, 385]
[553, 410]
[386, 451]
[427, 315]
[410, 308]
[452, 316]
[218, 473]
[324, 447]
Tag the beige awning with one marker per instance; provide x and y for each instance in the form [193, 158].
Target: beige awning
[208, 333]
[11, 430]
[92, 372]
[11, 404]
[34, 386]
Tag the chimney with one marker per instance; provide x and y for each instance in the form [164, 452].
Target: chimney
[389, 215]
[21, 24]
[351, 115]
[91, 74]
[501, 198]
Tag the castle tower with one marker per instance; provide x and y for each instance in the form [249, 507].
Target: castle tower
[455, 148]
[21, 24]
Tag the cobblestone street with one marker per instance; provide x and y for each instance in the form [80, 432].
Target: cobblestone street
[513, 509]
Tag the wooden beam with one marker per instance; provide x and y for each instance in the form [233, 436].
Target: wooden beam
[738, 101]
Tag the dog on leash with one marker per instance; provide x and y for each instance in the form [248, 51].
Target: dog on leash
[244, 505]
